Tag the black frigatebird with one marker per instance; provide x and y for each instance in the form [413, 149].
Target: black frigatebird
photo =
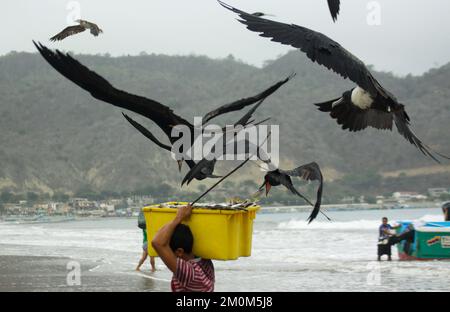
[76, 29]
[205, 163]
[308, 172]
[366, 105]
[160, 114]
[205, 167]
[205, 171]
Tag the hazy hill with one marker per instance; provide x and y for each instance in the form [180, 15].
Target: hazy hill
[54, 136]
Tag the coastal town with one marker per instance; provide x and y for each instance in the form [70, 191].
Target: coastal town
[78, 207]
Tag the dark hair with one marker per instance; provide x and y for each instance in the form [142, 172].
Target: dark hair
[182, 238]
[446, 208]
[385, 218]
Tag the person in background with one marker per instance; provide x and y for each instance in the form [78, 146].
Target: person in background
[384, 234]
[145, 254]
[174, 243]
[446, 211]
[408, 236]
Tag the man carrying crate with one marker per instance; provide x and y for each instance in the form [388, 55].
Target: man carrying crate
[173, 243]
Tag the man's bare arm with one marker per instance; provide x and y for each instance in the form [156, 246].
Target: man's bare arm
[162, 238]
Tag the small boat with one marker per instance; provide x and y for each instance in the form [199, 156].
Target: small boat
[431, 241]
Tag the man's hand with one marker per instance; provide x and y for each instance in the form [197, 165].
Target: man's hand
[184, 213]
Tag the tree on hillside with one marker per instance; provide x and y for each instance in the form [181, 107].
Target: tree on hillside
[6, 197]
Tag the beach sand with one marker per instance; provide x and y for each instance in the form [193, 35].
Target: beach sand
[50, 274]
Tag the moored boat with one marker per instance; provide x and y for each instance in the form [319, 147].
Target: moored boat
[431, 241]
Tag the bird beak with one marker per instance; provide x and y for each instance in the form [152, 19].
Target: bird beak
[268, 186]
[180, 164]
[213, 176]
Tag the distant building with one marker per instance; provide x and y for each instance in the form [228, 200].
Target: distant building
[13, 209]
[108, 208]
[404, 196]
[348, 200]
[380, 199]
[82, 204]
[437, 192]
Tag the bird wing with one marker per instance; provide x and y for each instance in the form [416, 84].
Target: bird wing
[402, 122]
[202, 164]
[102, 90]
[146, 133]
[198, 168]
[318, 47]
[68, 31]
[309, 172]
[285, 180]
[240, 104]
[354, 118]
[152, 138]
[210, 161]
[334, 6]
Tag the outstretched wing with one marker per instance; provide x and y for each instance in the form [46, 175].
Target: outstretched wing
[310, 172]
[318, 47]
[334, 6]
[401, 120]
[285, 180]
[242, 103]
[204, 163]
[68, 31]
[144, 131]
[102, 90]
[354, 118]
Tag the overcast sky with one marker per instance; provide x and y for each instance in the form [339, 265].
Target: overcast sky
[414, 35]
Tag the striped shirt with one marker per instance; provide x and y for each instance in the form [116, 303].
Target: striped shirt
[193, 275]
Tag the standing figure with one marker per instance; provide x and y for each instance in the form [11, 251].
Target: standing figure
[384, 242]
[145, 254]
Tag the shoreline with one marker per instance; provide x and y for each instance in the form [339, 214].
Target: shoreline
[19, 219]
[61, 274]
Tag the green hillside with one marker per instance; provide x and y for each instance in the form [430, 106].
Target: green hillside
[55, 137]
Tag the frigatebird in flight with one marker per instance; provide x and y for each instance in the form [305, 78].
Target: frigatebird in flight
[308, 172]
[160, 114]
[76, 29]
[366, 105]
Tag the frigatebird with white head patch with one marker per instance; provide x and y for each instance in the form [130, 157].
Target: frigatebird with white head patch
[366, 105]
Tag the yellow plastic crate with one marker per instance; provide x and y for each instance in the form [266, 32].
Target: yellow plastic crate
[218, 234]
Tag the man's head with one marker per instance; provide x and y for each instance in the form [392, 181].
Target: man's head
[446, 211]
[384, 220]
[182, 241]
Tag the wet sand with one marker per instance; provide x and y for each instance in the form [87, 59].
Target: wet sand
[50, 274]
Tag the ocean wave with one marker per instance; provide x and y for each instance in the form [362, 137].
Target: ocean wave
[328, 225]
[363, 224]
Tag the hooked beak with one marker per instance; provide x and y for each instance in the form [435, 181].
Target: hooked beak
[268, 186]
[213, 176]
